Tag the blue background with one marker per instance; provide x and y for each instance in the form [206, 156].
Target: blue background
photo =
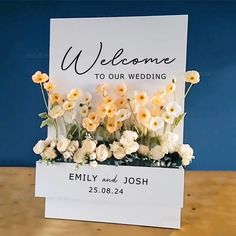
[210, 126]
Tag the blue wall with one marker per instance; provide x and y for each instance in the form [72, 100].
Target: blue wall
[24, 45]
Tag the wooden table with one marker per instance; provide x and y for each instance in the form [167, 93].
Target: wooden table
[210, 209]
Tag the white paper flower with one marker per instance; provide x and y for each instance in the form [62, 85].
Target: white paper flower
[62, 144]
[122, 114]
[156, 123]
[132, 148]
[39, 147]
[83, 110]
[169, 119]
[49, 153]
[86, 98]
[56, 112]
[157, 152]
[128, 134]
[93, 164]
[173, 109]
[79, 156]
[102, 152]
[88, 146]
[143, 150]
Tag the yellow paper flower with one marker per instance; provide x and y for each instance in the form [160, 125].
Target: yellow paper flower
[89, 125]
[158, 100]
[122, 114]
[192, 77]
[93, 117]
[157, 110]
[101, 111]
[102, 89]
[121, 102]
[55, 98]
[39, 77]
[74, 94]
[170, 88]
[108, 101]
[121, 90]
[111, 125]
[169, 119]
[111, 110]
[68, 105]
[56, 112]
[49, 86]
[160, 93]
[141, 98]
[143, 115]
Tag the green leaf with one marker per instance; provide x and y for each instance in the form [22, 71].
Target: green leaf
[153, 142]
[48, 122]
[43, 115]
[178, 119]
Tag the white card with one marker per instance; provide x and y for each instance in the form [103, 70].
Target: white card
[144, 52]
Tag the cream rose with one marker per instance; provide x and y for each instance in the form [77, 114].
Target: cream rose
[132, 148]
[93, 164]
[39, 147]
[62, 144]
[102, 152]
[143, 150]
[157, 152]
[88, 146]
[49, 153]
[79, 156]
[128, 134]
[73, 146]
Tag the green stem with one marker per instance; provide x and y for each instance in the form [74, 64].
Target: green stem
[44, 98]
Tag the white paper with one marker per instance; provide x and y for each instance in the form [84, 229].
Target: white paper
[139, 37]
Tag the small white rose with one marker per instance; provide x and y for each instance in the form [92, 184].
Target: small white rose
[53, 143]
[92, 156]
[73, 146]
[88, 146]
[186, 152]
[39, 147]
[157, 152]
[67, 154]
[126, 142]
[115, 146]
[93, 164]
[102, 152]
[132, 148]
[143, 150]
[49, 153]
[120, 153]
[128, 134]
[79, 156]
[62, 144]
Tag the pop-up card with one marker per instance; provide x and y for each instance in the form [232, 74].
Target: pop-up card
[114, 103]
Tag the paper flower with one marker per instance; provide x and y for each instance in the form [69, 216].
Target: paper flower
[173, 109]
[156, 123]
[192, 77]
[68, 105]
[74, 94]
[56, 112]
[49, 86]
[39, 77]
[121, 90]
[141, 98]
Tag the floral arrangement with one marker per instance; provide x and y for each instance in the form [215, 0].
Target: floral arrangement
[120, 129]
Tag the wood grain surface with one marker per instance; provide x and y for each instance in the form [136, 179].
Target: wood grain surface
[209, 209]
